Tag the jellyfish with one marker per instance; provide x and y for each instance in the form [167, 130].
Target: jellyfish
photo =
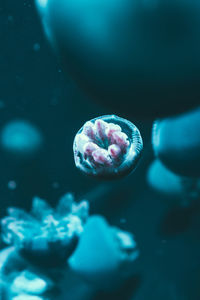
[139, 58]
[47, 246]
[21, 138]
[105, 255]
[107, 147]
[163, 180]
[40, 243]
[176, 143]
[28, 282]
[45, 232]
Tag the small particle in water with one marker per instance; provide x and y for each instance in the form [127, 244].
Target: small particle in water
[36, 47]
[55, 185]
[20, 137]
[19, 80]
[2, 104]
[10, 18]
[12, 185]
[107, 147]
[54, 101]
[123, 221]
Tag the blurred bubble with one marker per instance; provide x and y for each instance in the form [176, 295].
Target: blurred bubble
[2, 104]
[36, 47]
[55, 185]
[12, 185]
[20, 137]
[10, 18]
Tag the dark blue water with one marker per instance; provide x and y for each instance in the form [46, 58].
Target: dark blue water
[34, 88]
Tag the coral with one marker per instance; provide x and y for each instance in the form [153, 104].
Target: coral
[107, 146]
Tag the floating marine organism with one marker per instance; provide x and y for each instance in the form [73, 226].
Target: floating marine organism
[176, 143]
[43, 244]
[46, 232]
[136, 57]
[107, 147]
[163, 180]
[105, 255]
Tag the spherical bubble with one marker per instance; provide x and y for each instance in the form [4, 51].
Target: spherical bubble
[20, 137]
[36, 47]
[12, 185]
[107, 147]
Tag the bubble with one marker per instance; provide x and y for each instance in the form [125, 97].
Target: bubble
[12, 185]
[36, 47]
[55, 185]
[2, 104]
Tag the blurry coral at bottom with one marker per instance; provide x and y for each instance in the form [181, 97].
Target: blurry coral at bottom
[49, 245]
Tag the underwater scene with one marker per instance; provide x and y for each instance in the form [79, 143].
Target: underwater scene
[99, 150]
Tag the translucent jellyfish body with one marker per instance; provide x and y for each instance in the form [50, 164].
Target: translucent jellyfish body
[105, 254]
[163, 180]
[107, 147]
[186, 189]
[29, 284]
[119, 51]
[21, 279]
[44, 251]
[21, 138]
[176, 142]
[46, 235]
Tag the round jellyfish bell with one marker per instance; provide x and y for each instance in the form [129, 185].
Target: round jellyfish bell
[163, 180]
[20, 137]
[176, 142]
[107, 147]
[105, 255]
[125, 49]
